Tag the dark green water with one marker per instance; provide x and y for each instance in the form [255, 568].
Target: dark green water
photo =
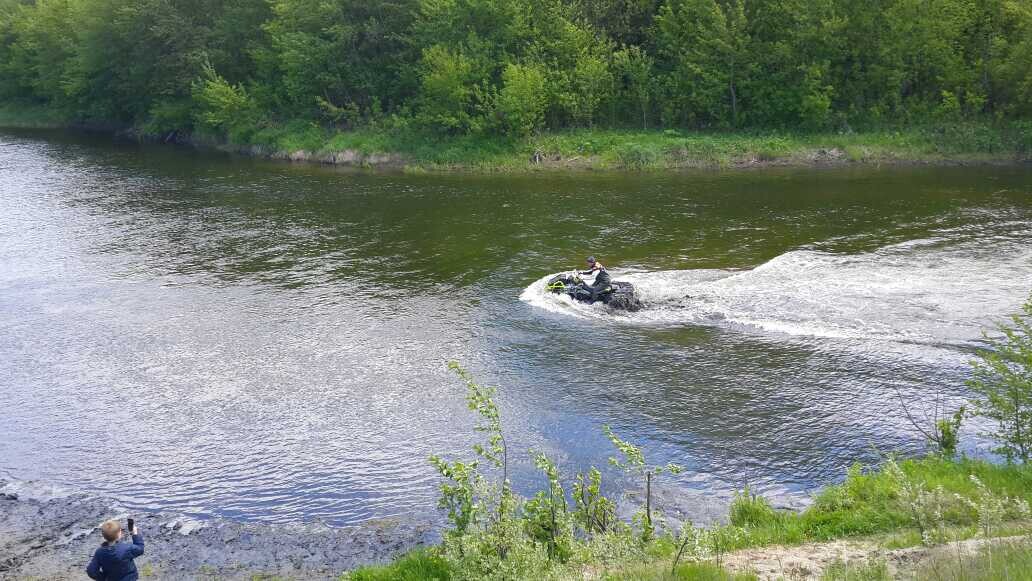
[269, 341]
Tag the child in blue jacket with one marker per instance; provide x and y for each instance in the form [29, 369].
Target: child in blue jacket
[113, 561]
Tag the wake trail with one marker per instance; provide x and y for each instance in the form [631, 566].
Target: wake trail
[935, 291]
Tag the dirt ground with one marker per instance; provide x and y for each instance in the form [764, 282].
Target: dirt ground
[808, 562]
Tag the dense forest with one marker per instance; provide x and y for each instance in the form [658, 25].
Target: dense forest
[515, 67]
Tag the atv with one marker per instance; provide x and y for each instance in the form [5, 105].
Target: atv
[618, 295]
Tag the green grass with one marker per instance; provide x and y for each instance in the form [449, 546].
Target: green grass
[997, 562]
[656, 150]
[609, 149]
[418, 565]
[868, 503]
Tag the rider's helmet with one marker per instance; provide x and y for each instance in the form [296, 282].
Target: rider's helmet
[591, 260]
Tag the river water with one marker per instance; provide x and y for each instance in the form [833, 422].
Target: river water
[268, 342]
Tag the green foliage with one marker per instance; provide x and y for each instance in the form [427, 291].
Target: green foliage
[933, 495]
[222, 106]
[480, 399]
[751, 510]
[1003, 380]
[496, 534]
[636, 156]
[547, 515]
[522, 100]
[993, 508]
[460, 493]
[347, 54]
[948, 430]
[419, 565]
[466, 495]
[449, 93]
[633, 68]
[501, 551]
[514, 67]
[701, 45]
[632, 460]
[594, 512]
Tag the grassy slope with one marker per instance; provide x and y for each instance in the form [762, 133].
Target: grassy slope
[611, 149]
[1004, 562]
[865, 505]
[616, 149]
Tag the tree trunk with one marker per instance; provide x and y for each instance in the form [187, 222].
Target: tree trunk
[648, 502]
[734, 105]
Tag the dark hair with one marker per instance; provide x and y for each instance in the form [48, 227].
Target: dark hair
[591, 260]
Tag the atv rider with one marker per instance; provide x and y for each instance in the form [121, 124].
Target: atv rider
[602, 278]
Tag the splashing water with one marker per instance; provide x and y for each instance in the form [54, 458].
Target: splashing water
[933, 291]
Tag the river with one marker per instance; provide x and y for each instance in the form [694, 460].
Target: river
[268, 342]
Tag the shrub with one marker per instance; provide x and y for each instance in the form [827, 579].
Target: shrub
[502, 550]
[1003, 380]
[749, 509]
[632, 460]
[448, 91]
[635, 156]
[420, 565]
[222, 106]
[168, 117]
[521, 103]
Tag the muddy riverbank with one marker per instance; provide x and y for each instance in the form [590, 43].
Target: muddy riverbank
[51, 535]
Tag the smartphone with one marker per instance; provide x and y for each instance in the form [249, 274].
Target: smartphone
[129, 523]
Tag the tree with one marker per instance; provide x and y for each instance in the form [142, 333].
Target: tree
[867, 67]
[522, 100]
[39, 49]
[1011, 71]
[702, 48]
[634, 68]
[626, 22]
[449, 82]
[1003, 380]
[342, 53]
[133, 55]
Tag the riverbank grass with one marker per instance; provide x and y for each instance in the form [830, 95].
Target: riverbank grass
[1005, 561]
[646, 150]
[388, 144]
[925, 501]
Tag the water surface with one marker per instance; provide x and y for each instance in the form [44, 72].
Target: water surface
[267, 342]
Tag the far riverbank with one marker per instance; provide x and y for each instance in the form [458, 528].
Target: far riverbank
[961, 143]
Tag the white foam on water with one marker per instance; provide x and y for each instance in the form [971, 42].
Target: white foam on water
[933, 291]
[33, 489]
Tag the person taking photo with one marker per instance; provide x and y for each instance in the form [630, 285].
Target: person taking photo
[113, 560]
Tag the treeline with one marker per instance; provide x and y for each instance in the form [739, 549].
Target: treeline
[518, 66]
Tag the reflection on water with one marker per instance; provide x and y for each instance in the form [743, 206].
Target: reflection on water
[268, 341]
